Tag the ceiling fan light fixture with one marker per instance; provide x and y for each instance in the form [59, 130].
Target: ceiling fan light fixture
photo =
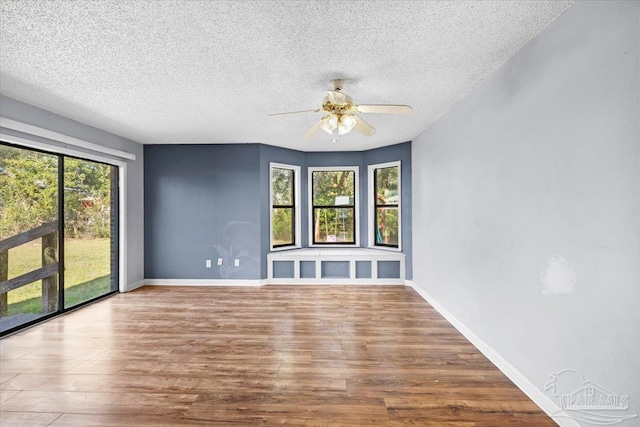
[330, 124]
[340, 114]
[346, 123]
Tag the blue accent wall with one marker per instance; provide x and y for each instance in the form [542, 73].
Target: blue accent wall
[393, 153]
[212, 201]
[202, 202]
[268, 154]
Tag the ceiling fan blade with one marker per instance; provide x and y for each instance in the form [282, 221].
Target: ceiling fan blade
[293, 112]
[315, 128]
[363, 127]
[385, 109]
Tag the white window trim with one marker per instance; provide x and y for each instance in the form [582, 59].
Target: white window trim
[56, 136]
[296, 206]
[356, 200]
[372, 207]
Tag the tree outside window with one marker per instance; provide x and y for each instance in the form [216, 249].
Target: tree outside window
[283, 217]
[386, 206]
[334, 206]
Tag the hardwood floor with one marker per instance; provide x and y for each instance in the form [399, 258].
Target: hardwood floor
[306, 355]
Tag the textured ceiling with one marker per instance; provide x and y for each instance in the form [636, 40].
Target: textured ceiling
[211, 71]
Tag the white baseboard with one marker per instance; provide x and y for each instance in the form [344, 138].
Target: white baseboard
[263, 282]
[535, 394]
[132, 286]
[203, 282]
[346, 282]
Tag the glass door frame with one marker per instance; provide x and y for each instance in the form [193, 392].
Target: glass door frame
[117, 231]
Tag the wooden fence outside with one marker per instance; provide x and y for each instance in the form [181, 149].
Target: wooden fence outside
[47, 273]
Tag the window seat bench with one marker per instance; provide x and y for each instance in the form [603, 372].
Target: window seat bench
[336, 266]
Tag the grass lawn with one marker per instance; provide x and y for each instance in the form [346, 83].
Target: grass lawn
[87, 270]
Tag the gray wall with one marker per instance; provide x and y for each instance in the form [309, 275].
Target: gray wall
[16, 110]
[202, 202]
[528, 201]
[194, 192]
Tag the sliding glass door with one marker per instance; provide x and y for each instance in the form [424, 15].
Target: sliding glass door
[29, 227]
[89, 227]
[44, 196]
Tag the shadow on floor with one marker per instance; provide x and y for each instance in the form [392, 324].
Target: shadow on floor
[28, 310]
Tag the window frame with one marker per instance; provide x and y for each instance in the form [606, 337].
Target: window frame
[373, 205]
[73, 147]
[356, 202]
[296, 206]
[118, 199]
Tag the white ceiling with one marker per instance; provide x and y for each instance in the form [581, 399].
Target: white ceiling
[210, 71]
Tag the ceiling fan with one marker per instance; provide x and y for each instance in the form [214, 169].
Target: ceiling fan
[340, 113]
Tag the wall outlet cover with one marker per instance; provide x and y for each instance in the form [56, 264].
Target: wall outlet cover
[237, 262]
[208, 263]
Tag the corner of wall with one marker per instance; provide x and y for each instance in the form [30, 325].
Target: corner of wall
[534, 393]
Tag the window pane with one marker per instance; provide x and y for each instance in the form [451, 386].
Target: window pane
[89, 256]
[28, 190]
[282, 226]
[387, 186]
[334, 225]
[24, 305]
[282, 185]
[333, 188]
[387, 226]
[29, 202]
[29, 208]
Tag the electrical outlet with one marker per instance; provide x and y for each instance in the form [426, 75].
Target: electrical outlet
[219, 261]
[208, 263]
[237, 262]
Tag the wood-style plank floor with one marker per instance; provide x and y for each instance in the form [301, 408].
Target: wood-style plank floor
[305, 355]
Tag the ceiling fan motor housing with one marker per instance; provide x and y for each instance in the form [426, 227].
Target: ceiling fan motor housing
[337, 84]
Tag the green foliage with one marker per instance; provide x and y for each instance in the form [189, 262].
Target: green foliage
[87, 273]
[387, 198]
[387, 226]
[28, 190]
[332, 189]
[282, 216]
[282, 226]
[29, 193]
[337, 222]
[282, 182]
[73, 296]
[87, 198]
[387, 185]
[327, 185]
